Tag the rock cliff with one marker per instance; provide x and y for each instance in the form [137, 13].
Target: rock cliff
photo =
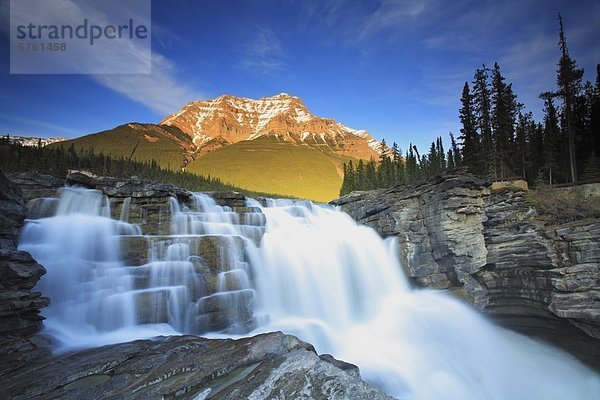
[490, 249]
[20, 308]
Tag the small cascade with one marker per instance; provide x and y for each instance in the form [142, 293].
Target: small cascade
[109, 282]
[86, 280]
[229, 304]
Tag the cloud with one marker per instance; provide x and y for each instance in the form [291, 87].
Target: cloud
[263, 53]
[39, 124]
[161, 90]
[394, 15]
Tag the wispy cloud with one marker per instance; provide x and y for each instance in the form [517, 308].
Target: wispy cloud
[55, 129]
[394, 15]
[162, 90]
[263, 53]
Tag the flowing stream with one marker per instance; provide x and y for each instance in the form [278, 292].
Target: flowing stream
[293, 266]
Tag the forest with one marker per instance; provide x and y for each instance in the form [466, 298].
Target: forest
[500, 140]
[58, 161]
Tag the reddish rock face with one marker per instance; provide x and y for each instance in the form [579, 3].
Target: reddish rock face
[229, 119]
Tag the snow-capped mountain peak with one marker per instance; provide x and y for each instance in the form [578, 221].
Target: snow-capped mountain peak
[229, 119]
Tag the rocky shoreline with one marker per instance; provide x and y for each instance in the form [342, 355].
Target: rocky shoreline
[490, 249]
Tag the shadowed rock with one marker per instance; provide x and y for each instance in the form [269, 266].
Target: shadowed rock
[266, 366]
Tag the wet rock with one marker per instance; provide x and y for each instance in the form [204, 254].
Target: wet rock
[229, 199]
[266, 366]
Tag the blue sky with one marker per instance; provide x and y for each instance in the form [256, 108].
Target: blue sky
[393, 67]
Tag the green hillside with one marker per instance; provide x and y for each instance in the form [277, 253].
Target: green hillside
[261, 165]
[267, 165]
[164, 144]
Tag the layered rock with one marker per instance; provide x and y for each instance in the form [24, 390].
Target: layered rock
[146, 208]
[20, 308]
[262, 367]
[489, 248]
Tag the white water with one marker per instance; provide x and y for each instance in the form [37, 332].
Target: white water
[316, 274]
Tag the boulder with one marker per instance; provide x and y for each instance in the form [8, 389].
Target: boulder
[266, 366]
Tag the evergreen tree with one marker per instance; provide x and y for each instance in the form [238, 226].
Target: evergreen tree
[482, 111]
[451, 164]
[504, 111]
[591, 173]
[551, 138]
[569, 86]
[594, 139]
[525, 131]
[454, 154]
[371, 181]
[350, 176]
[360, 176]
[470, 142]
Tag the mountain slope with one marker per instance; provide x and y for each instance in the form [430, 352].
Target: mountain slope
[270, 165]
[167, 145]
[272, 144]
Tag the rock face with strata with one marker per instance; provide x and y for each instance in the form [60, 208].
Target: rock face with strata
[20, 308]
[266, 366]
[489, 248]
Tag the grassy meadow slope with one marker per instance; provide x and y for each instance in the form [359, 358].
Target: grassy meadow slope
[268, 165]
[140, 142]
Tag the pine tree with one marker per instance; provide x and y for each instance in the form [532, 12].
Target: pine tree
[455, 152]
[360, 176]
[371, 181]
[595, 115]
[569, 85]
[525, 130]
[482, 110]
[471, 152]
[397, 164]
[591, 173]
[551, 138]
[504, 111]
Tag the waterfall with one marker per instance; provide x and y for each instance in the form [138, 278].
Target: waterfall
[305, 269]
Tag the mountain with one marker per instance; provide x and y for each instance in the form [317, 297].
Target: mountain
[228, 119]
[34, 141]
[272, 144]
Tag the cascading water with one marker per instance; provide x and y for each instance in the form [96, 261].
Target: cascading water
[314, 273]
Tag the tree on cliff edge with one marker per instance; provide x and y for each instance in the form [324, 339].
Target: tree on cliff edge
[569, 86]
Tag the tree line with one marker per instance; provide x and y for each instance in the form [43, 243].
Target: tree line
[57, 161]
[500, 140]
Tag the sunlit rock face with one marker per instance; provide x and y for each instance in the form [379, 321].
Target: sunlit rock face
[488, 248]
[228, 119]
